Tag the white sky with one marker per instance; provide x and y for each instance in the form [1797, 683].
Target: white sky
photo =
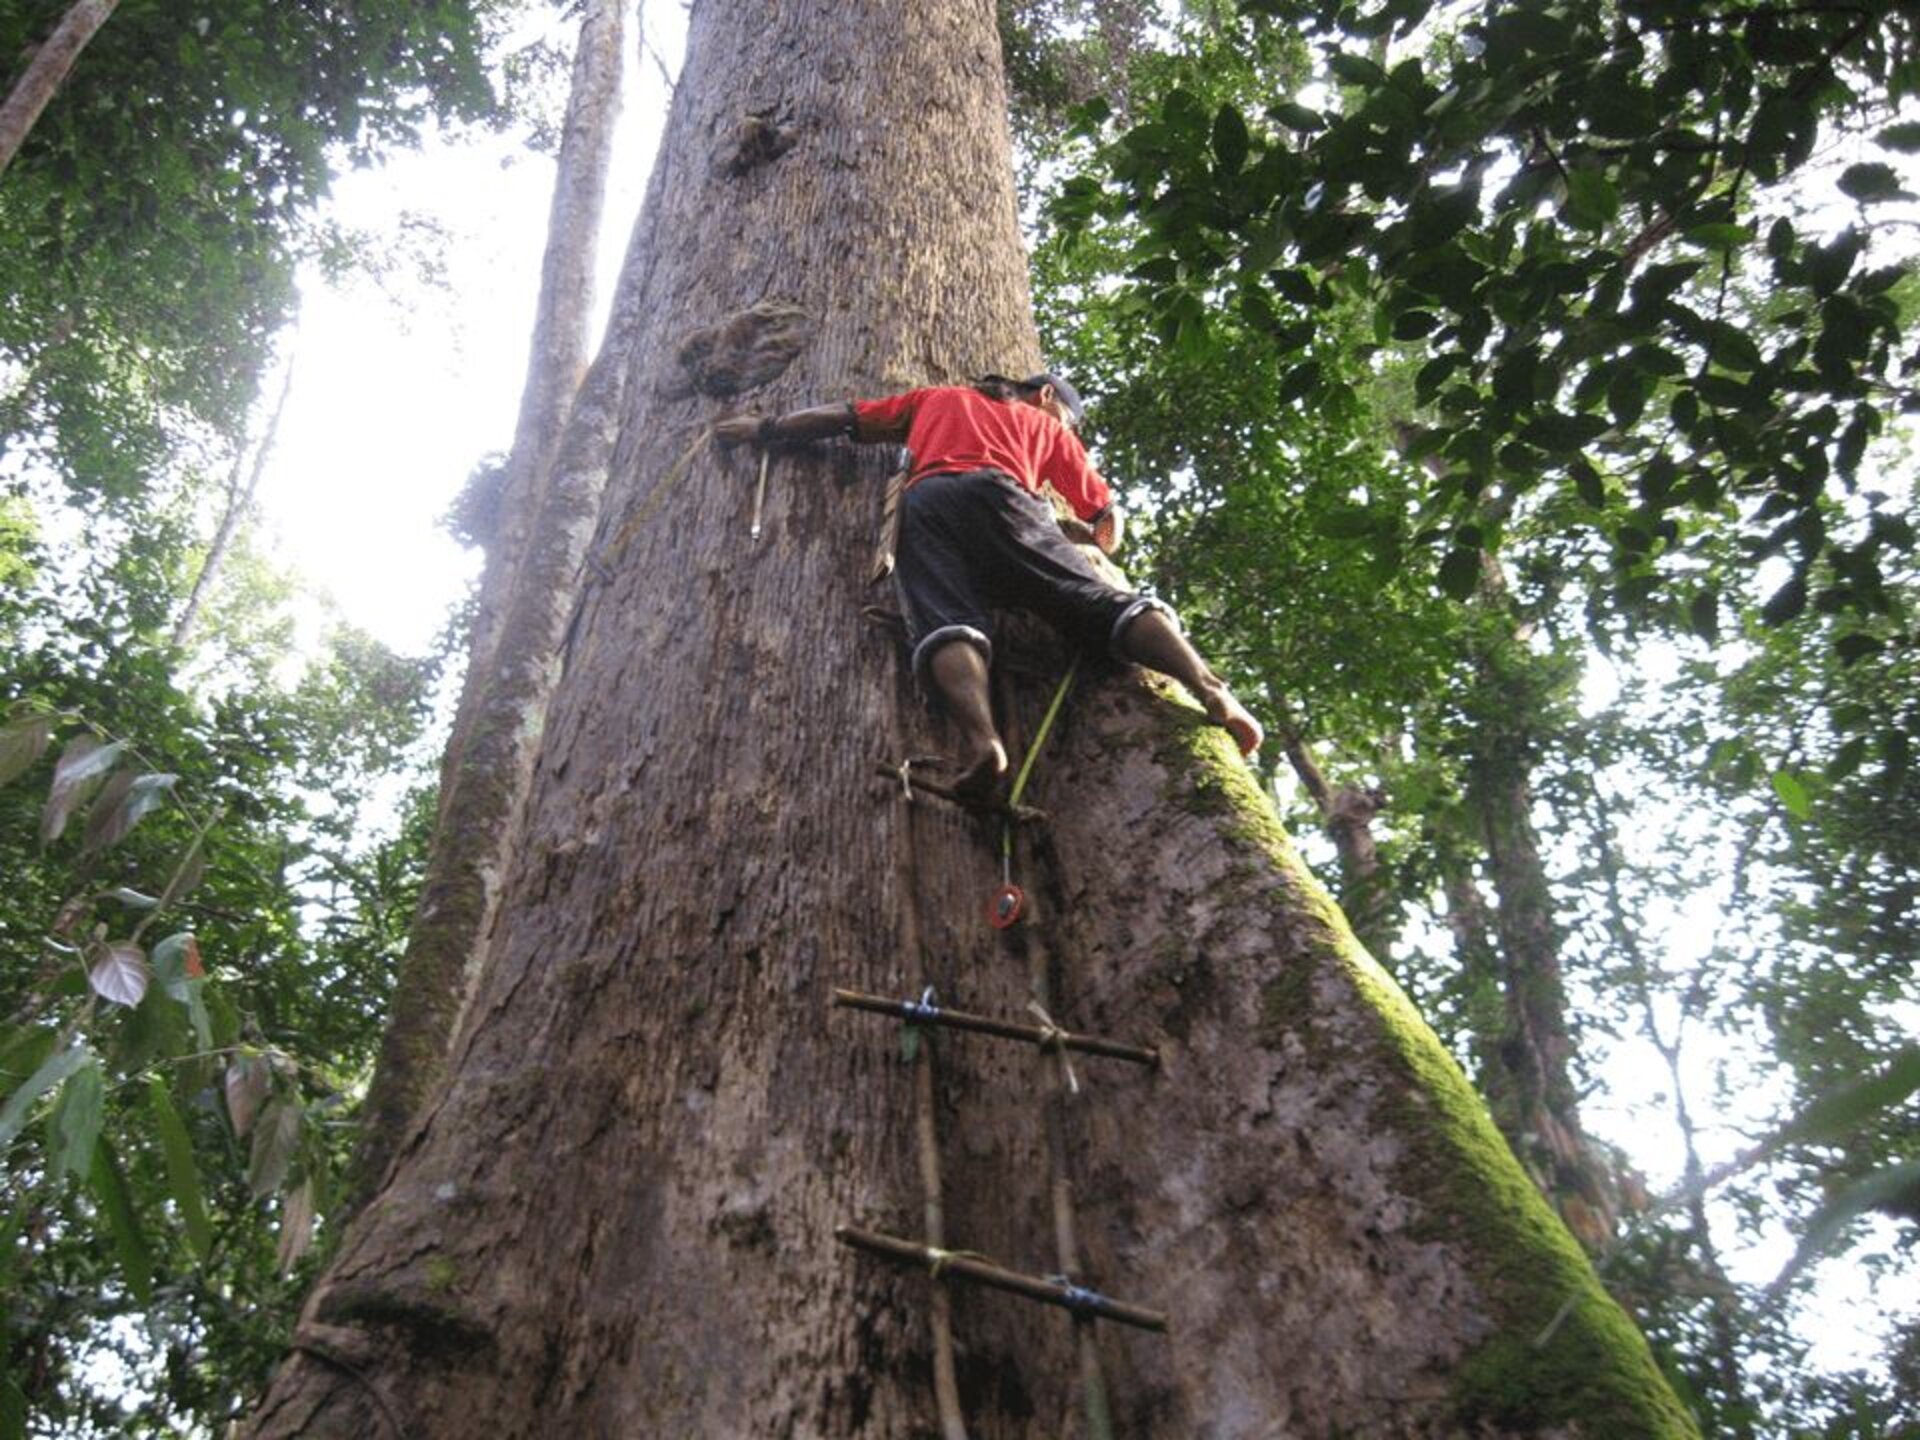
[399, 391]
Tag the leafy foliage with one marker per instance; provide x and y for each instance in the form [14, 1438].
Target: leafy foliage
[151, 221]
[198, 950]
[1474, 362]
[1580, 213]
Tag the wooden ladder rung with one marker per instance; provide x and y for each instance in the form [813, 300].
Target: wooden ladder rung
[922, 1012]
[1019, 814]
[1048, 1291]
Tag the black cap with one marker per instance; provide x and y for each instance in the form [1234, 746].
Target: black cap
[1069, 396]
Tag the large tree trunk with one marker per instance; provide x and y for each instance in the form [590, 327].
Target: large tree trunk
[533, 562]
[40, 81]
[618, 1216]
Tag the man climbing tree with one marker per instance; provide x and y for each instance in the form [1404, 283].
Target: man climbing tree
[976, 534]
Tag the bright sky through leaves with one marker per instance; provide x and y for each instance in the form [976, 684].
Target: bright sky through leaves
[401, 388]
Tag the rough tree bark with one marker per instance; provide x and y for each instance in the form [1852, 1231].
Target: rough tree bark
[616, 1217]
[40, 81]
[533, 559]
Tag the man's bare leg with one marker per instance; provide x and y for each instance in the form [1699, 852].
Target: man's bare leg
[1153, 640]
[959, 673]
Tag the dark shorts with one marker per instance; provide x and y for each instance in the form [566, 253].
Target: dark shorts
[978, 542]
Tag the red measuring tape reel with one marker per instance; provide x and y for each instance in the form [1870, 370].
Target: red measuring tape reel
[1006, 907]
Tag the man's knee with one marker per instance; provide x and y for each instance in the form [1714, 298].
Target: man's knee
[974, 640]
[1157, 614]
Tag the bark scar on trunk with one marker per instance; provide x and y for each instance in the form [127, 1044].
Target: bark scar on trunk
[761, 137]
[429, 1327]
[742, 352]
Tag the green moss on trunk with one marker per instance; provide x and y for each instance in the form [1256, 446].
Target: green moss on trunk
[1563, 1354]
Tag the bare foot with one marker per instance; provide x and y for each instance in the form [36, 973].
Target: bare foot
[1224, 709]
[980, 774]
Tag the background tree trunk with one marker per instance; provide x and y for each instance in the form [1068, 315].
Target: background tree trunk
[1366, 890]
[533, 560]
[617, 1217]
[1531, 1088]
[40, 81]
[243, 483]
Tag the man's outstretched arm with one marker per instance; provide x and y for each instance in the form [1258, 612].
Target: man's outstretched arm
[820, 423]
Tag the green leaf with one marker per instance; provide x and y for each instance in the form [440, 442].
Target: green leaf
[1720, 236]
[119, 972]
[1780, 239]
[1896, 754]
[1560, 432]
[82, 766]
[1295, 285]
[109, 1183]
[1628, 391]
[124, 802]
[1895, 1188]
[1356, 69]
[154, 1030]
[1085, 119]
[226, 1019]
[1793, 794]
[22, 743]
[1300, 382]
[1588, 484]
[23, 1052]
[276, 1139]
[248, 1079]
[1856, 647]
[1297, 117]
[183, 1175]
[1904, 138]
[1834, 1114]
[1785, 603]
[296, 1225]
[1871, 182]
[13, 1116]
[1460, 572]
[1828, 266]
[176, 964]
[1414, 324]
[1345, 521]
[1847, 759]
[1230, 139]
[13, 1410]
[1593, 202]
[1703, 615]
[76, 1120]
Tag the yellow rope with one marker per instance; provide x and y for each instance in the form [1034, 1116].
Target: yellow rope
[1033, 754]
[644, 510]
[938, 1260]
[1053, 1038]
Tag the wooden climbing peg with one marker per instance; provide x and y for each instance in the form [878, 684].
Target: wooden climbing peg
[1048, 1290]
[923, 1012]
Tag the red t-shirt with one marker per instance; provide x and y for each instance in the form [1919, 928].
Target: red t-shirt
[952, 428]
